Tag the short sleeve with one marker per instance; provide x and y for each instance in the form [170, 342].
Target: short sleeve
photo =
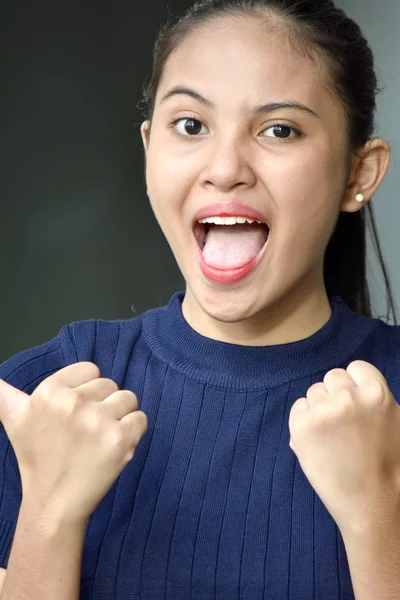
[25, 371]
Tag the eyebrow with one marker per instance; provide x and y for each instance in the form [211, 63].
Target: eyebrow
[254, 111]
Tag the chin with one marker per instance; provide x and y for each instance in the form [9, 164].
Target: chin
[224, 317]
[228, 308]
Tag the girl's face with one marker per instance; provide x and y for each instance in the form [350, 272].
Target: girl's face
[213, 143]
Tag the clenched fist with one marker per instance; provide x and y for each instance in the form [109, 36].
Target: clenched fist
[346, 436]
[72, 437]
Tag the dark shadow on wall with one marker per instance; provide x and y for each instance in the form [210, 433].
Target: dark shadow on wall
[78, 239]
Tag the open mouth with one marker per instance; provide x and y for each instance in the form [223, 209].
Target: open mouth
[201, 231]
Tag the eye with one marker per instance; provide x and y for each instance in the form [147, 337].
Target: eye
[282, 131]
[188, 127]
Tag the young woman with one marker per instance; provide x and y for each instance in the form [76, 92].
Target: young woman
[264, 462]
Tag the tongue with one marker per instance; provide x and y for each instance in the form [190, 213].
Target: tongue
[233, 246]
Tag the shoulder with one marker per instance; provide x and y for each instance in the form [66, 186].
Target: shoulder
[101, 342]
[92, 338]
[386, 339]
[385, 344]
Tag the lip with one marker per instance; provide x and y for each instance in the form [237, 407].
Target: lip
[228, 209]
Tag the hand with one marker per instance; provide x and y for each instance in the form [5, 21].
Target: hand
[72, 437]
[346, 436]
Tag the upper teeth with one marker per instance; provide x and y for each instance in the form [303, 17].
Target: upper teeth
[228, 220]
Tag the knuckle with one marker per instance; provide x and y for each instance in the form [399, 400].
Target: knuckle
[346, 396]
[337, 371]
[298, 420]
[45, 389]
[141, 418]
[357, 364]
[115, 439]
[128, 398]
[105, 382]
[90, 369]
[135, 427]
[92, 423]
[141, 422]
[129, 455]
[375, 393]
[133, 398]
[334, 373]
[76, 399]
[323, 415]
[109, 383]
[69, 405]
[315, 388]
[376, 389]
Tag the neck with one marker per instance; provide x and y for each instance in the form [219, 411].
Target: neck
[290, 318]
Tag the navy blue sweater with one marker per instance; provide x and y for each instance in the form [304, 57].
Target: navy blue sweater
[214, 504]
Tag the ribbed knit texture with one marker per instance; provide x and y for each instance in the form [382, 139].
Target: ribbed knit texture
[214, 504]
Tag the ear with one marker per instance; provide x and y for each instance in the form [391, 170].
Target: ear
[145, 132]
[367, 173]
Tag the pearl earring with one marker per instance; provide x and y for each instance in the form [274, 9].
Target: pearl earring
[360, 198]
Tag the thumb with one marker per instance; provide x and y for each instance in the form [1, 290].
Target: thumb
[11, 402]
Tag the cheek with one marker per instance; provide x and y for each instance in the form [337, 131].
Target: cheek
[167, 175]
[309, 218]
[307, 203]
[167, 188]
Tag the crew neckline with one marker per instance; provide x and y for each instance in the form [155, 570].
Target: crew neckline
[236, 367]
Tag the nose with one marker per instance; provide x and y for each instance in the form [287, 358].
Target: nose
[228, 165]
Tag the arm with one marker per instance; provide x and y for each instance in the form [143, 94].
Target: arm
[374, 561]
[66, 452]
[45, 559]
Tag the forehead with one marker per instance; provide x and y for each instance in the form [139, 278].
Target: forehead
[238, 59]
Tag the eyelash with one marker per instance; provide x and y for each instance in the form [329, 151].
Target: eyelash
[174, 123]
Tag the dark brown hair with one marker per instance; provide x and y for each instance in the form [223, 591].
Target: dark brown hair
[314, 28]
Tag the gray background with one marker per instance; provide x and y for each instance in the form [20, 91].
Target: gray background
[380, 22]
[78, 239]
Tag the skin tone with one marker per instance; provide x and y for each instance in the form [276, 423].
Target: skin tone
[300, 177]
